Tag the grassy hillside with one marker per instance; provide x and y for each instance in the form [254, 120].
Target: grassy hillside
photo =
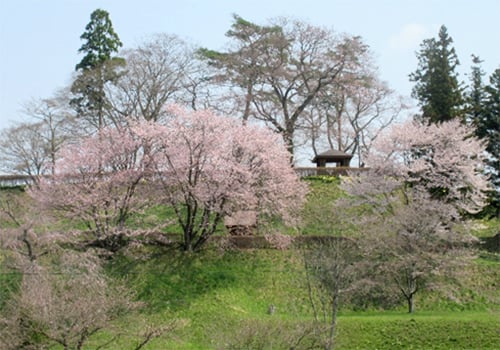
[222, 299]
[258, 299]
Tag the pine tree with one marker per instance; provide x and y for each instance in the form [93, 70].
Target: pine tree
[97, 68]
[476, 94]
[101, 41]
[488, 127]
[437, 88]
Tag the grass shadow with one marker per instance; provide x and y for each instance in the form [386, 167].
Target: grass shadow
[167, 278]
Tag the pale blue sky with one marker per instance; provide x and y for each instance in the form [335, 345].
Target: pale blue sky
[39, 39]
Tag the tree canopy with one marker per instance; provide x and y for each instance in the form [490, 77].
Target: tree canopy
[437, 88]
[278, 72]
[101, 41]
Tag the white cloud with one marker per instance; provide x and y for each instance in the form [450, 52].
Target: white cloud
[409, 37]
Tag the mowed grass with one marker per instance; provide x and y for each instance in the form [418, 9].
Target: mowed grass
[423, 330]
[220, 299]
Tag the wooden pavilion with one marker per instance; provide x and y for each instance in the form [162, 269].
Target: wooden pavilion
[340, 159]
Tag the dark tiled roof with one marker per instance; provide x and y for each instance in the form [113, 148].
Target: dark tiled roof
[332, 155]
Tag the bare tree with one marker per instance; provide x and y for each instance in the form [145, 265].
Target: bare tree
[157, 73]
[332, 268]
[30, 148]
[279, 69]
[57, 122]
[64, 306]
[334, 262]
[351, 116]
[23, 150]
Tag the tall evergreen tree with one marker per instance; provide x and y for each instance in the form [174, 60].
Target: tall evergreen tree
[436, 83]
[476, 94]
[488, 127]
[101, 41]
[97, 68]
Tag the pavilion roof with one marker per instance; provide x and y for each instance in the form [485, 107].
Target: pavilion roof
[332, 155]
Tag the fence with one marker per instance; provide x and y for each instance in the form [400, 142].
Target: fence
[15, 180]
[23, 180]
[328, 171]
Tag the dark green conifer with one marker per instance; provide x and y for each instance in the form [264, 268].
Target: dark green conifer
[436, 83]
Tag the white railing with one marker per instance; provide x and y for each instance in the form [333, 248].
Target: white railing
[15, 180]
[328, 171]
[24, 180]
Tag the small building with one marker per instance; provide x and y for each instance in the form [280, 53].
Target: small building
[340, 158]
[241, 223]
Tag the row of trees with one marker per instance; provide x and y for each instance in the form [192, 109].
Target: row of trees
[442, 97]
[316, 88]
[202, 166]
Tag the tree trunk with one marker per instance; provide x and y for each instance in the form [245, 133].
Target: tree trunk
[290, 146]
[333, 323]
[411, 307]
[188, 246]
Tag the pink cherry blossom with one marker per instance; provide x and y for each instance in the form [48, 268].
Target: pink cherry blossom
[441, 156]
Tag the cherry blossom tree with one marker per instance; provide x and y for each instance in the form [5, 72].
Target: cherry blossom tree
[421, 178]
[64, 304]
[96, 181]
[57, 297]
[212, 166]
[202, 165]
[444, 159]
[414, 244]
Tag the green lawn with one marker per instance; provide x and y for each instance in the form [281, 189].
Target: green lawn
[220, 300]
